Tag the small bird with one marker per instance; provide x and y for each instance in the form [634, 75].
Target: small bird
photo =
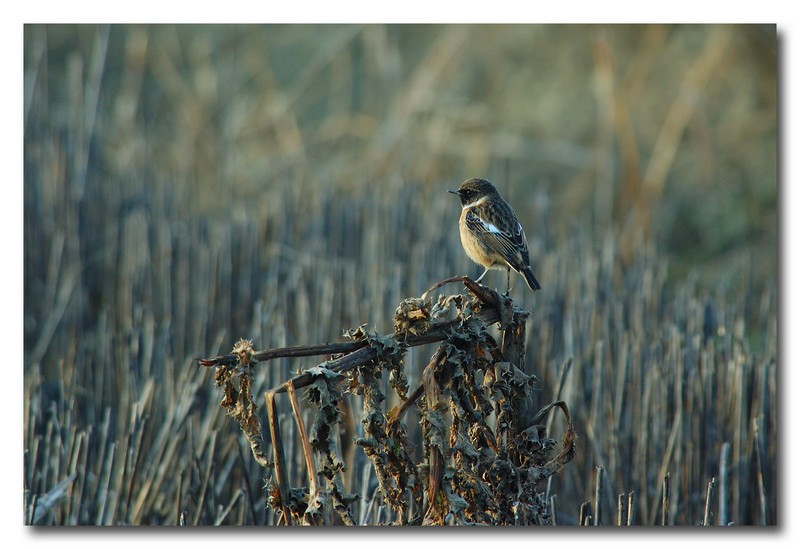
[490, 232]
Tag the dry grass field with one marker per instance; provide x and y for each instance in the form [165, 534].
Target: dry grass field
[188, 186]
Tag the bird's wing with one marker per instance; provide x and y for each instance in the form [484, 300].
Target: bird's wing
[512, 245]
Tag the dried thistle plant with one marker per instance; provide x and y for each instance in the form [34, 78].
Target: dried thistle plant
[482, 463]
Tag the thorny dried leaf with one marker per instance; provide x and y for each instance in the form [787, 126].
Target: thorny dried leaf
[377, 443]
[390, 353]
[398, 381]
[442, 308]
[238, 401]
[236, 382]
[326, 393]
[356, 334]
[457, 504]
[412, 316]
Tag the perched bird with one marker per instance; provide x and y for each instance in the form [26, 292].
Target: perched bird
[490, 232]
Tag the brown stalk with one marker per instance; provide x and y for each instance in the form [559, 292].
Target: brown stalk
[298, 416]
[279, 458]
[709, 501]
[434, 514]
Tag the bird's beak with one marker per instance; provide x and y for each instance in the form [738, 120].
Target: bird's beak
[454, 192]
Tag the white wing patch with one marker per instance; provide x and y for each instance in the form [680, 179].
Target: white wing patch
[512, 247]
[490, 228]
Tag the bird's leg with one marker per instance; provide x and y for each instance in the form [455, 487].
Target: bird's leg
[484, 274]
[508, 282]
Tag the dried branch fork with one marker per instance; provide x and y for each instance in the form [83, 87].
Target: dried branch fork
[409, 335]
[476, 471]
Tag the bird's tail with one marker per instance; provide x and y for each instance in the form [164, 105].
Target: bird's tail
[530, 280]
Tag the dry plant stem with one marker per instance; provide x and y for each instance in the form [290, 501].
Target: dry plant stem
[709, 501]
[513, 349]
[206, 478]
[724, 472]
[567, 443]
[224, 513]
[250, 494]
[665, 501]
[178, 498]
[298, 351]
[441, 283]
[298, 416]
[564, 371]
[398, 414]
[598, 496]
[277, 452]
[585, 515]
[630, 508]
[433, 396]
[759, 448]
[45, 503]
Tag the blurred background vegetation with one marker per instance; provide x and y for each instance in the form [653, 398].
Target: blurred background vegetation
[189, 185]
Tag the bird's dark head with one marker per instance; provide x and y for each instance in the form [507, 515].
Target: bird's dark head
[473, 190]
